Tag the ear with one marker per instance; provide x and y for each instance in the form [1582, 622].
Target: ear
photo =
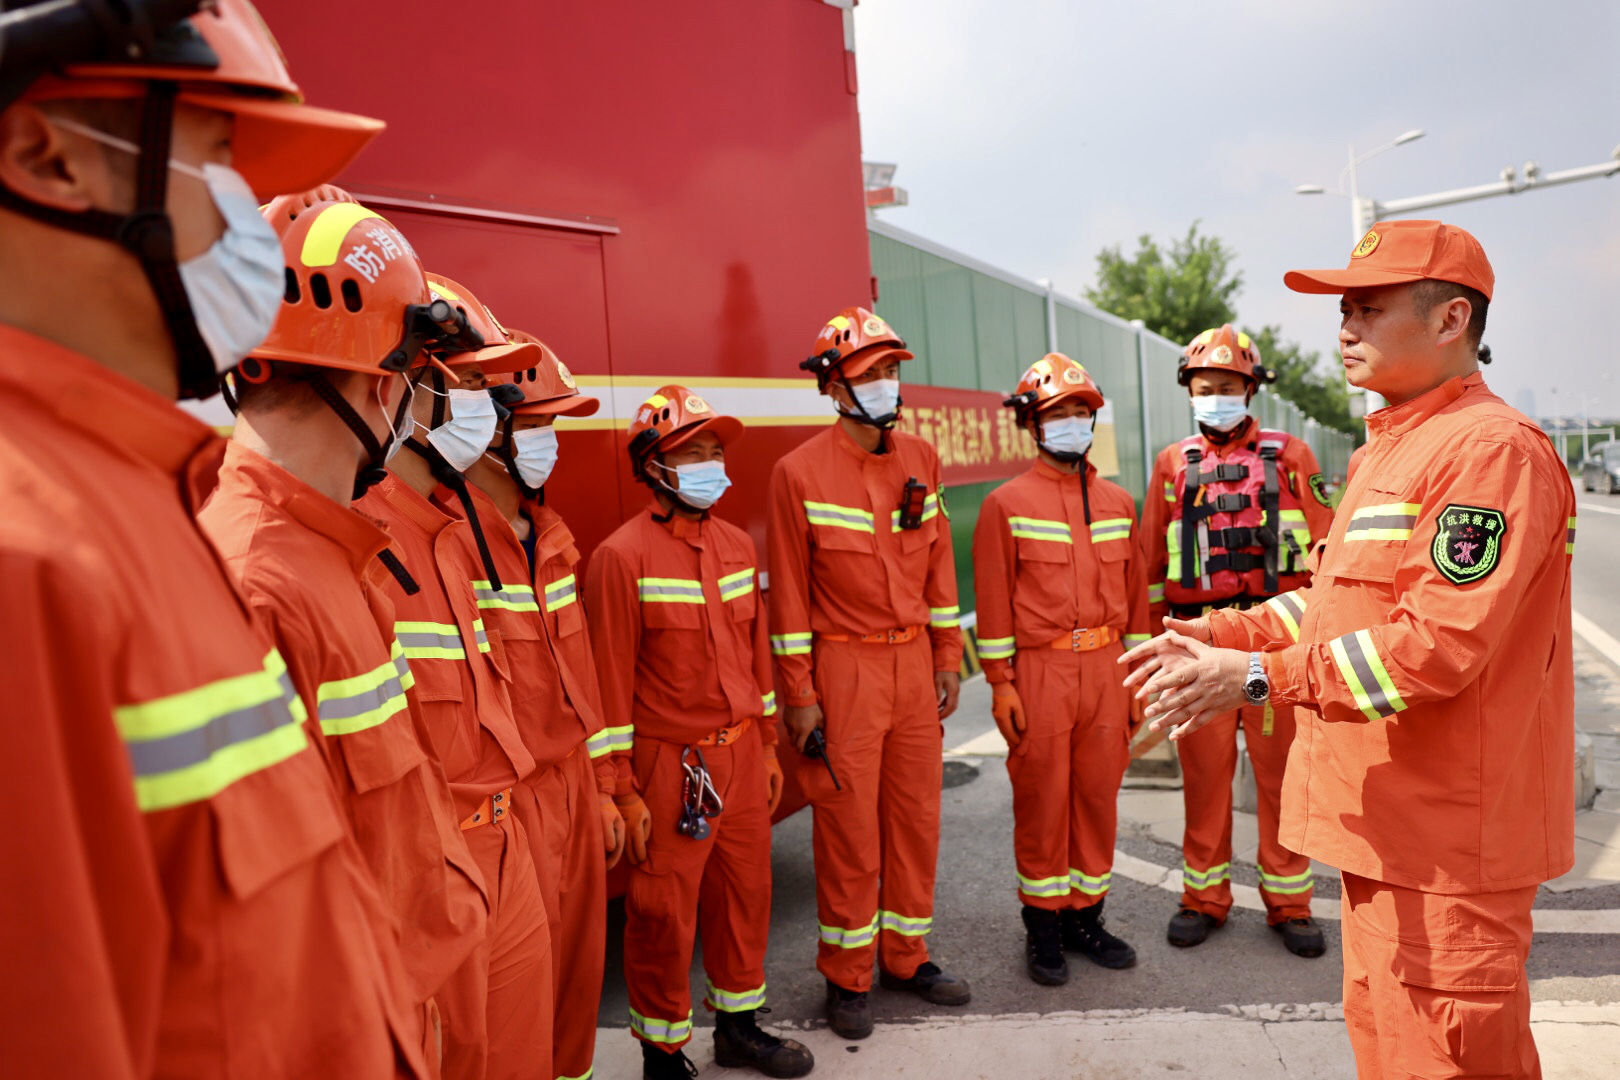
[1451, 321]
[40, 163]
[1248, 395]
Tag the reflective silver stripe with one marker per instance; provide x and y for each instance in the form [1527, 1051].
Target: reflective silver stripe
[858, 938]
[1156, 593]
[507, 598]
[840, 517]
[791, 644]
[619, 739]
[1091, 886]
[930, 510]
[896, 923]
[1364, 673]
[1045, 887]
[1110, 529]
[661, 1031]
[430, 641]
[1037, 529]
[1287, 886]
[1569, 538]
[740, 584]
[768, 703]
[1204, 879]
[997, 648]
[346, 706]
[1390, 521]
[669, 591]
[479, 636]
[945, 616]
[1290, 608]
[561, 593]
[734, 1001]
[599, 745]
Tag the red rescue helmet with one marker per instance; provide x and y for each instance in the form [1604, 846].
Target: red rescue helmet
[669, 418]
[1223, 349]
[850, 343]
[548, 388]
[224, 58]
[497, 356]
[1048, 380]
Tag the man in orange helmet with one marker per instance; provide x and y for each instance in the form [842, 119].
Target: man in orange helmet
[1060, 586]
[1430, 664]
[566, 804]
[1229, 517]
[498, 1008]
[205, 913]
[868, 644]
[320, 405]
[681, 646]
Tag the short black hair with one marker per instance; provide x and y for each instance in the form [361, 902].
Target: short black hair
[1426, 294]
[287, 387]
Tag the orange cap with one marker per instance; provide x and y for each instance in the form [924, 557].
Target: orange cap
[1397, 252]
[498, 356]
[280, 144]
[548, 387]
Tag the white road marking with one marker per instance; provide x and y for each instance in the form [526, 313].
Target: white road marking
[1595, 636]
[1596, 508]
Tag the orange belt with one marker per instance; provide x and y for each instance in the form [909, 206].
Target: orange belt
[1084, 640]
[493, 808]
[882, 637]
[726, 735]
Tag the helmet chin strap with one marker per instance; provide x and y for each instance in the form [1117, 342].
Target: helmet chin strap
[375, 468]
[506, 454]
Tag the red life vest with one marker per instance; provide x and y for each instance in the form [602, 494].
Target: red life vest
[1236, 528]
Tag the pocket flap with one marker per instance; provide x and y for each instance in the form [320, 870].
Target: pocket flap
[1459, 968]
[274, 821]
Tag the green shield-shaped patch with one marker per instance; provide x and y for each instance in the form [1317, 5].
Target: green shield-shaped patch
[1319, 489]
[1468, 542]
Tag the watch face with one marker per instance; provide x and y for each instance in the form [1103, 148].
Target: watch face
[1257, 689]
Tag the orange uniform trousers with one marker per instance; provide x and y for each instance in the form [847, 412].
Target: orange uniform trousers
[1066, 773]
[719, 886]
[559, 809]
[876, 842]
[1208, 760]
[496, 1009]
[1434, 985]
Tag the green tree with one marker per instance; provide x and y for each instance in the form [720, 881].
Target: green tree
[1319, 392]
[1178, 292]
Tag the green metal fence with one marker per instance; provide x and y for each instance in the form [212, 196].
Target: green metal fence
[977, 327]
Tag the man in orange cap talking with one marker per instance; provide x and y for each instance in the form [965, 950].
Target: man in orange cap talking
[1432, 672]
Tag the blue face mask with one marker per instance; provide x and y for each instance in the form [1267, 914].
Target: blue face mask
[1069, 435]
[702, 483]
[1223, 412]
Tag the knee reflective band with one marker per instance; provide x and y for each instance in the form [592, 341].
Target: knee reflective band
[1285, 886]
[729, 1001]
[1195, 879]
[191, 746]
[349, 705]
[661, 1031]
[1364, 673]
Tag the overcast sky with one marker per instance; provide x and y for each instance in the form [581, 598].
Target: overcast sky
[1033, 133]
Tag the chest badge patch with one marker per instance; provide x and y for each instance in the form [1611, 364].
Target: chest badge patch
[1468, 542]
[1319, 489]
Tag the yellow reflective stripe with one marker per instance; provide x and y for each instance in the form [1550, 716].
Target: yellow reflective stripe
[1038, 529]
[1291, 885]
[1169, 491]
[839, 517]
[930, 510]
[481, 638]
[506, 598]
[1156, 593]
[1203, 879]
[1052, 886]
[740, 584]
[945, 616]
[997, 648]
[561, 593]
[430, 640]
[791, 644]
[599, 745]
[1137, 639]
[192, 745]
[669, 590]
[325, 237]
[1387, 521]
[1290, 608]
[733, 1001]
[768, 703]
[858, 938]
[1364, 673]
[661, 1031]
[620, 739]
[345, 706]
[1569, 538]
[1110, 529]
[896, 923]
[1091, 886]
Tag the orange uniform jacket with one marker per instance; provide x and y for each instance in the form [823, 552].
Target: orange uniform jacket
[840, 563]
[308, 568]
[466, 704]
[1043, 573]
[1300, 472]
[1433, 662]
[179, 892]
[680, 640]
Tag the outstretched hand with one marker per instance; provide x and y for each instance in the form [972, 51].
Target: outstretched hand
[1189, 683]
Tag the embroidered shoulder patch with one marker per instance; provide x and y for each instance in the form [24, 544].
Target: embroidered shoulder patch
[1467, 542]
[1319, 489]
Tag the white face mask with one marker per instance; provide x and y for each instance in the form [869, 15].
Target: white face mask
[879, 398]
[534, 451]
[464, 437]
[397, 439]
[1223, 412]
[235, 286]
[1068, 435]
[701, 483]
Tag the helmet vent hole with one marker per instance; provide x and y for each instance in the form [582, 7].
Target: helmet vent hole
[351, 294]
[292, 294]
[320, 291]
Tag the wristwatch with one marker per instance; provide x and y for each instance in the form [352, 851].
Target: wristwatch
[1257, 687]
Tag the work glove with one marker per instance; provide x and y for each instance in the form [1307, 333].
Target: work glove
[1008, 710]
[773, 780]
[612, 831]
[637, 825]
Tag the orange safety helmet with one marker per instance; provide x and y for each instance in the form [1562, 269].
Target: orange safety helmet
[225, 58]
[356, 297]
[1223, 349]
[548, 387]
[497, 356]
[669, 418]
[283, 210]
[1051, 378]
[850, 343]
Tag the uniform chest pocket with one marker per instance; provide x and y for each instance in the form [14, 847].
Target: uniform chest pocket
[1376, 532]
[273, 821]
[842, 538]
[738, 590]
[1041, 550]
[667, 614]
[382, 754]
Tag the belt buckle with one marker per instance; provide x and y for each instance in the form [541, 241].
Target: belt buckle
[721, 736]
[497, 804]
[1083, 640]
[894, 636]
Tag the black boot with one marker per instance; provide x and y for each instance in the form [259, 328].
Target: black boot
[1084, 932]
[740, 1044]
[849, 1012]
[1302, 937]
[660, 1064]
[933, 985]
[1047, 965]
[1189, 927]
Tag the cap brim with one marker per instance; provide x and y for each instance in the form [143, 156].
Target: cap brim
[862, 361]
[1337, 281]
[728, 429]
[567, 405]
[282, 148]
[500, 359]
[1090, 398]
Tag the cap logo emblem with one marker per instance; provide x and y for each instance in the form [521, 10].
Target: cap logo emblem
[565, 375]
[1221, 355]
[695, 404]
[1368, 245]
[1073, 377]
[875, 325]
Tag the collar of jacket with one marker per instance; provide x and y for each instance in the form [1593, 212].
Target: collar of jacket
[1047, 471]
[860, 453]
[360, 538]
[1241, 436]
[678, 525]
[114, 410]
[419, 511]
[1397, 420]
